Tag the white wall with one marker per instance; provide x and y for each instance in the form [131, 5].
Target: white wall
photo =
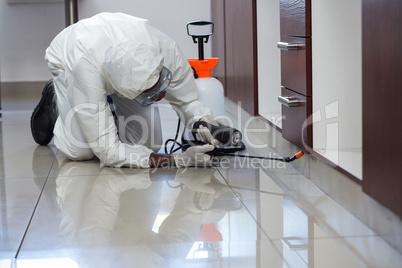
[25, 32]
[170, 16]
[27, 29]
[269, 62]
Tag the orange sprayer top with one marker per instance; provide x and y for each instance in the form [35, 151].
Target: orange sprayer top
[203, 67]
[209, 233]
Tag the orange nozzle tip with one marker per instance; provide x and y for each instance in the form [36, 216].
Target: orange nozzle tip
[299, 154]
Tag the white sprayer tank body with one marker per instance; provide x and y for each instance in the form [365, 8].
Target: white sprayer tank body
[211, 94]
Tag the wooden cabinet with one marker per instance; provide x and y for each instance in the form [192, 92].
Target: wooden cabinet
[235, 44]
[296, 72]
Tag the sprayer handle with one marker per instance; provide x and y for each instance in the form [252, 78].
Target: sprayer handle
[200, 38]
[200, 23]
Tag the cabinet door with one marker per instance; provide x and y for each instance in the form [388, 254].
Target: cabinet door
[382, 80]
[295, 17]
[241, 53]
[237, 46]
[296, 109]
[296, 64]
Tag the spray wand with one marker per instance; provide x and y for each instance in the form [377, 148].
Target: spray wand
[282, 159]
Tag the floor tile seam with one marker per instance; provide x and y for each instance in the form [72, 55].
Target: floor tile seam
[256, 222]
[29, 222]
[233, 191]
[33, 211]
[256, 190]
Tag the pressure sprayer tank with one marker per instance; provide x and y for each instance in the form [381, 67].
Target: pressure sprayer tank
[209, 88]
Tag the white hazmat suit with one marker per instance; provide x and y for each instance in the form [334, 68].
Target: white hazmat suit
[119, 55]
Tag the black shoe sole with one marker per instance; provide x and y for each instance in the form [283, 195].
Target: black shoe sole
[43, 117]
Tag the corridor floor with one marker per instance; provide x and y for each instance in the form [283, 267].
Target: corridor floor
[60, 213]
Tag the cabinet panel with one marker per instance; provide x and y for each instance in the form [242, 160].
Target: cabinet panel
[296, 65]
[382, 80]
[241, 53]
[294, 122]
[295, 17]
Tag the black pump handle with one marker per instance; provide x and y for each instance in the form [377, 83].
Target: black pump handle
[200, 23]
[200, 37]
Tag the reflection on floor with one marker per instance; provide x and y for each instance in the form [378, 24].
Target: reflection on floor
[59, 213]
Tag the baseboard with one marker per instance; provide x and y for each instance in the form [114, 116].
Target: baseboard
[20, 95]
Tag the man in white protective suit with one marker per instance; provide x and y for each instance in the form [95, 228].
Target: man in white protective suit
[123, 59]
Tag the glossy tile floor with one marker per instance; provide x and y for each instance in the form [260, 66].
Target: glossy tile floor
[59, 213]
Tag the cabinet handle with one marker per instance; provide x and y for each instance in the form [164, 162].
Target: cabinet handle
[290, 46]
[289, 101]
